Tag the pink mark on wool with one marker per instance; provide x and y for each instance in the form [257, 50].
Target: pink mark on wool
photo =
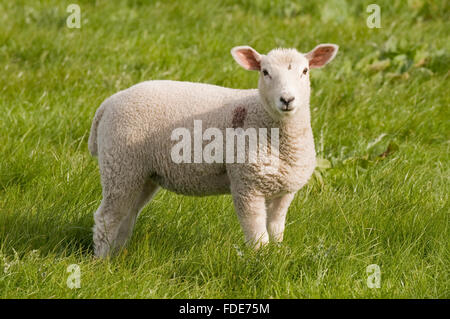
[239, 115]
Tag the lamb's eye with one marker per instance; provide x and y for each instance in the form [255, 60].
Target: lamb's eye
[265, 72]
[305, 70]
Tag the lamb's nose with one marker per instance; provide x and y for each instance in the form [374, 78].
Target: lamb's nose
[287, 101]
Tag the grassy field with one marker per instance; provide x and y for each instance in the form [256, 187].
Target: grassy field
[381, 121]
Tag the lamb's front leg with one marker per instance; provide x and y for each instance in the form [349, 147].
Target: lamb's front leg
[251, 211]
[276, 216]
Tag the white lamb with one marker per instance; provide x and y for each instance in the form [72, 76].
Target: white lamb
[132, 134]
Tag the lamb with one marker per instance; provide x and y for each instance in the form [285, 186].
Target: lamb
[133, 136]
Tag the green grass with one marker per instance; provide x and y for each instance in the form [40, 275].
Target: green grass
[381, 121]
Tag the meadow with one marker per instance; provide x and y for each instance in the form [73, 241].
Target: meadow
[380, 116]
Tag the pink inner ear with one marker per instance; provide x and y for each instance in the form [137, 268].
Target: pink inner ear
[321, 56]
[247, 59]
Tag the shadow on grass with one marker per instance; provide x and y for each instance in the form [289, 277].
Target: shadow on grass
[51, 234]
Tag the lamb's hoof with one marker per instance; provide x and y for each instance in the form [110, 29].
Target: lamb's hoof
[101, 248]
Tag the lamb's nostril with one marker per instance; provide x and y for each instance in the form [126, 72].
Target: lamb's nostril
[287, 101]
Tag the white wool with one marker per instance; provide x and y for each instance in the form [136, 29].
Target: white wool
[131, 135]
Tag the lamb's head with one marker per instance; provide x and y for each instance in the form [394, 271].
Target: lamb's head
[284, 75]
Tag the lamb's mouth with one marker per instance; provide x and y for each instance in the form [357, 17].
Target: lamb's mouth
[287, 108]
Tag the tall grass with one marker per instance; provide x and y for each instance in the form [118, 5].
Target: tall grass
[380, 118]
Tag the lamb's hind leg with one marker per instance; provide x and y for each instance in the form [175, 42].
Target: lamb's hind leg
[122, 193]
[113, 210]
[148, 191]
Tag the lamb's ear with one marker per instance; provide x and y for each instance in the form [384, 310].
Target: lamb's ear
[247, 57]
[321, 55]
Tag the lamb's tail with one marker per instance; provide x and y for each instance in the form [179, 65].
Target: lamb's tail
[92, 143]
